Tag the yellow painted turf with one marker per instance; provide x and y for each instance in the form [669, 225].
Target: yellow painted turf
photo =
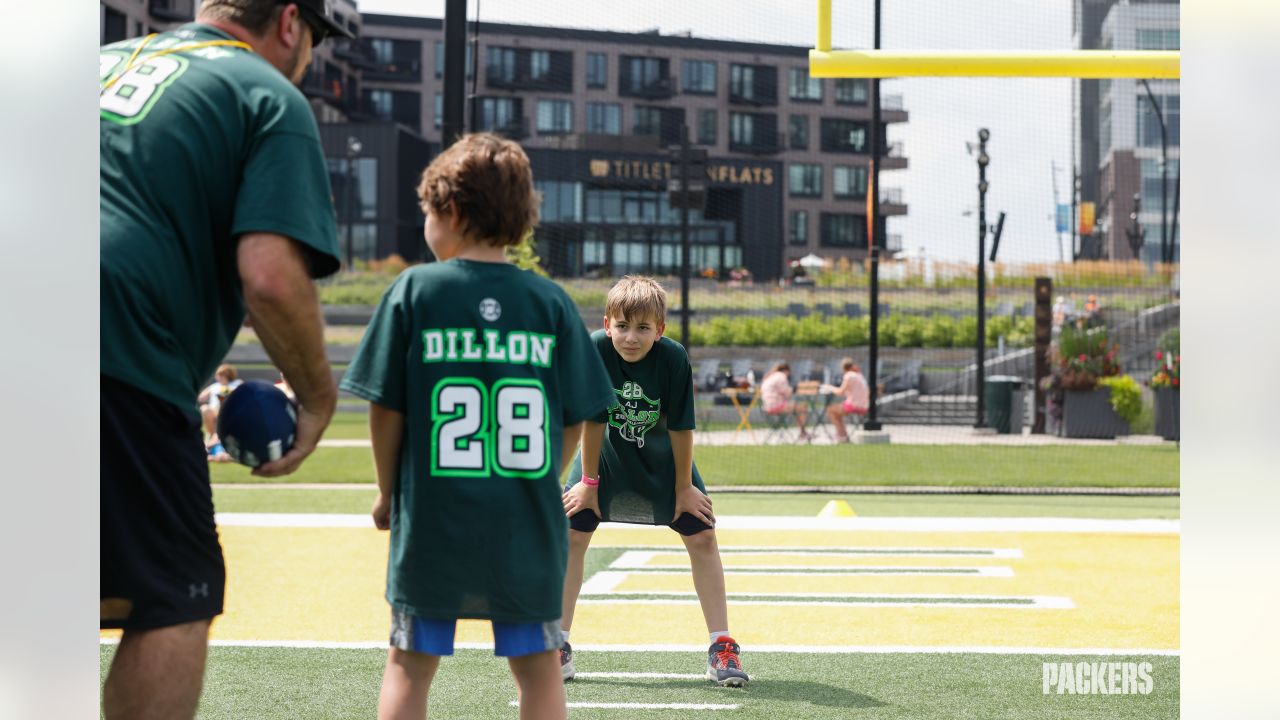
[326, 584]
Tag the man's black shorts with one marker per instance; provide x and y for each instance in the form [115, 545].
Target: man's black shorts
[588, 521]
[161, 563]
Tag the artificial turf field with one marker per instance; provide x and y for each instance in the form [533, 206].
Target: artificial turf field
[907, 611]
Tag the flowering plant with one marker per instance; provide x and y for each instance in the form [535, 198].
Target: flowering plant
[1168, 373]
[1082, 357]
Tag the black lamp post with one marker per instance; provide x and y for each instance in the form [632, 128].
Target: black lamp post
[354, 147]
[1166, 249]
[983, 160]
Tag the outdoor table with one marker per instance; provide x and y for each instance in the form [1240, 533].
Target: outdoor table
[818, 403]
[744, 414]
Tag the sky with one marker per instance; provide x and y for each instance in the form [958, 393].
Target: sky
[1029, 119]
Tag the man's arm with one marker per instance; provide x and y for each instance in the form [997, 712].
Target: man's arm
[689, 499]
[386, 432]
[285, 312]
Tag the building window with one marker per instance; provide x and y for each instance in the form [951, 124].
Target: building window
[843, 230]
[798, 228]
[439, 113]
[1149, 123]
[742, 81]
[399, 106]
[850, 91]
[849, 181]
[1151, 187]
[539, 65]
[804, 88]
[699, 77]
[597, 69]
[471, 65]
[799, 135]
[804, 180]
[395, 59]
[753, 84]
[1158, 39]
[604, 118]
[114, 26]
[503, 115]
[707, 122]
[646, 120]
[846, 136]
[555, 117]
[645, 77]
[742, 129]
[561, 201]
[1104, 125]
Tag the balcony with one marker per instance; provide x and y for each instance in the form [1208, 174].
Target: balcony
[891, 102]
[521, 79]
[893, 242]
[513, 129]
[754, 99]
[660, 89]
[173, 10]
[314, 86]
[398, 70]
[353, 54]
[761, 144]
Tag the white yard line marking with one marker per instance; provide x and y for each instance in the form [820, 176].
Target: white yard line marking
[672, 647]
[833, 551]
[642, 675]
[836, 571]
[902, 524]
[602, 583]
[644, 706]
[673, 597]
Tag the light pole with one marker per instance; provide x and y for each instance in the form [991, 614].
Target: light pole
[354, 147]
[1166, 254]
[983, 160]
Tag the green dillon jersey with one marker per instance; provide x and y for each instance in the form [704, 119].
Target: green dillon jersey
[637, 466]
[488, 363]
[197, 147]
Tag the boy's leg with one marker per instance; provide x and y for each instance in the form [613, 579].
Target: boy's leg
[708, 577]
[836, 413]
[579, 541]
[723, 665]
[538, 682]
[406, 681]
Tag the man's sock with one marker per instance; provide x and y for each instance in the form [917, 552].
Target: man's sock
[716, 635]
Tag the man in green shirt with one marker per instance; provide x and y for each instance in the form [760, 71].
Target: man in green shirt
[215, 203]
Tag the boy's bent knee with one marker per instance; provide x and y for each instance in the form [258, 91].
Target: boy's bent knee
[579, 539]
[704, 541]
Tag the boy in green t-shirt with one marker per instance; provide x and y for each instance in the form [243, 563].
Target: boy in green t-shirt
[479, 376]
[637, 465]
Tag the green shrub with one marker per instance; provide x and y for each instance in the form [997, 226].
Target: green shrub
[940, 332]
[1126, 396]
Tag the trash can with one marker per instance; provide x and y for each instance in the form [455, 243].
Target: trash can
[998, 395]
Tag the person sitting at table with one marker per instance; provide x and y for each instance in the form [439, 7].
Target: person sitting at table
[856, 397]
[775, 396]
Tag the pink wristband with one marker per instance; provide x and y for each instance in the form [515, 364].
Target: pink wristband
[590, 481]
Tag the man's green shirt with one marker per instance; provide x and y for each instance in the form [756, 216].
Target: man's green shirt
[198, 147]
[488, 363]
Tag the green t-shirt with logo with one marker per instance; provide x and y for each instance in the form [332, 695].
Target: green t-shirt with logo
[488, 363]
[637, 467]
[197, 147]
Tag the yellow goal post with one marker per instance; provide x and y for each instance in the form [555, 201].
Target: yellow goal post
[827, 63]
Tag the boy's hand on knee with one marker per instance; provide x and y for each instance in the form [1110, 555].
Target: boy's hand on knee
[693, 501]
[581, 497]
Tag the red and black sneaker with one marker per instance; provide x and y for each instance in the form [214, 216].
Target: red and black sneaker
[566, 661]
[723, 666]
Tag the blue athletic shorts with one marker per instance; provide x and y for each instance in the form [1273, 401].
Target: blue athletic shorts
[435, 637]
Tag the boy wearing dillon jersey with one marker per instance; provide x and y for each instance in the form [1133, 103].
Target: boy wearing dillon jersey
[479, 376]
[637, 463]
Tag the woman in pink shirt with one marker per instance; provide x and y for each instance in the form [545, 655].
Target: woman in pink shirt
[775, 396]
[856, 398]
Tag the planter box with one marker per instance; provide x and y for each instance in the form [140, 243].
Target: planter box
[1088, 414]
[1168, 413]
